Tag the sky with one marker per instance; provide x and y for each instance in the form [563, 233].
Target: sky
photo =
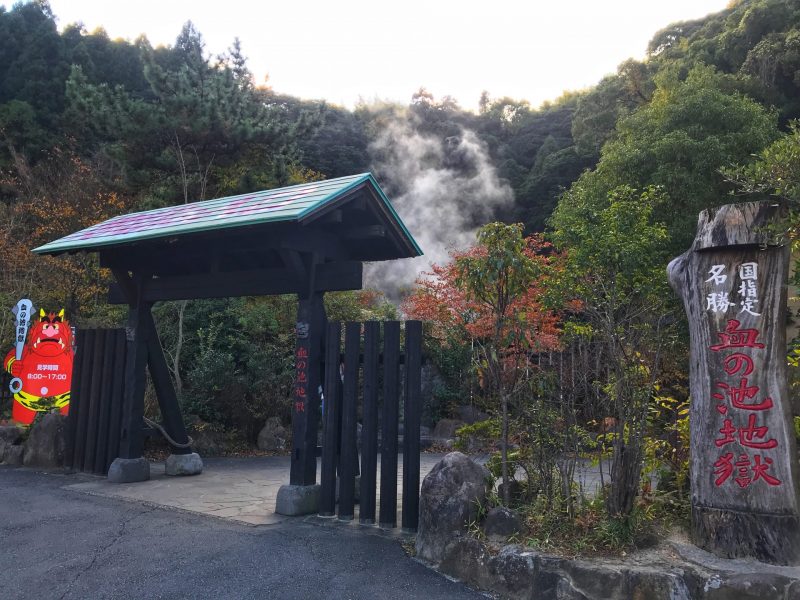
[346, 50]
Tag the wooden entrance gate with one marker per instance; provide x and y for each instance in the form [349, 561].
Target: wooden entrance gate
[373, 375]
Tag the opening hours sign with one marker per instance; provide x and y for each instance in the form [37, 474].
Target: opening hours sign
[743, 456]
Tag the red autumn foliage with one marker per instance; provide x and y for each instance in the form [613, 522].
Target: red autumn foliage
[452, 310]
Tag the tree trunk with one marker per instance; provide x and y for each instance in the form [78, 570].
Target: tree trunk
[504, 452]
[743, 457]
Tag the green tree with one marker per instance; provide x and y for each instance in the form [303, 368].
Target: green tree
[680, 141]
[615, 257]
[498, 278]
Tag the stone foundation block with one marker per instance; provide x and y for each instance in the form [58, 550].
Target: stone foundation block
[295, 500]
[129, 470]
[184, 464]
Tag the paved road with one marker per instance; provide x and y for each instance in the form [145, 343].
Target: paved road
[58, 543]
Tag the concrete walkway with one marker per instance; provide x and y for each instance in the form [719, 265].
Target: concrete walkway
[239, 489]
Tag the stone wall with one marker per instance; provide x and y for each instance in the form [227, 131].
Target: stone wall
[676, 571]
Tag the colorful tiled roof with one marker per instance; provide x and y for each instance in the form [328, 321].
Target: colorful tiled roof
[291, 203]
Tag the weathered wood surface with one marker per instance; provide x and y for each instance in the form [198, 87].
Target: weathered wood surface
[744, 469]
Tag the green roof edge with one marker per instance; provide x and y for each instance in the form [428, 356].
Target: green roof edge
[388, 204]
[361, 178]
[371, 178]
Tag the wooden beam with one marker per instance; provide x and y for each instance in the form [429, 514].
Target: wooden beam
[364, 233]
[330, 277]
[165, 393]
[205, 251]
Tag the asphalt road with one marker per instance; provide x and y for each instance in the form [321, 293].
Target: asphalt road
[56, 543]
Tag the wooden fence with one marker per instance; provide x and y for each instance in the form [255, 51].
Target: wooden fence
[342, 385]
[95, 411]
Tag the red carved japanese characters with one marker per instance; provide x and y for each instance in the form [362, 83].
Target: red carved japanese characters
[737, 396]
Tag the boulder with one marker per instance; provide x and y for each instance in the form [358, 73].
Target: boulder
[469, 414]
[206, 441]
[183, 464]
[13, 455]
[47, 442]
[466, 559]
[273, 436]
[10, 434]
[747, 586]
[446, 428]
[449, 500]
[501, 523]
[513, 572]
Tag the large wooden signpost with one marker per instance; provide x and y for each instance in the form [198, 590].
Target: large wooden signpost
[744, 468]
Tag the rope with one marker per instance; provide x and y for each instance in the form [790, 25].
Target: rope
[167, 436]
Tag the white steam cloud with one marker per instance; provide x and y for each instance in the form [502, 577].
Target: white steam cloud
[442, 189]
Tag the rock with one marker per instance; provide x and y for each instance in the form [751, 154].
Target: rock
[295, 500]
[449, 500]
[646, 584]
[515, 489]
[594, 580]
[747, 586]
[13, 455]
[206, 441]
[549, 581]
[446, 428]
[793, 593]
[513, 573]
[273, 436]
[465, 558]
[469, 414]
[501, 523]
[46, 446]
[184, 464]
[129, 470]
[10, 434]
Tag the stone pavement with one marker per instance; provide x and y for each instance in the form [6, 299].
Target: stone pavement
[239, 489]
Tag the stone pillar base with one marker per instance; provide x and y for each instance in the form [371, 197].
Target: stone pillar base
[184, 464]
[129, 470]
[295, 500]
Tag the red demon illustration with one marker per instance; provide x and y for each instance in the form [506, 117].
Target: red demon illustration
[45, 368]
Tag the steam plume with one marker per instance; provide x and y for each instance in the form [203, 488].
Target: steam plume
[442, 189]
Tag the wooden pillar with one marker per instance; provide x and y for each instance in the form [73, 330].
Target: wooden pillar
[131, 442]
[744, 470]
[412, 410]
[165, 392]
[311, 323]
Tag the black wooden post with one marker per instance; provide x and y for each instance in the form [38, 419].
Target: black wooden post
[167, 399]
[330, 440]
[83, 405]
[306, 402]
[105, 402]
[411, 417]
[391, 370]
[117, 391]
[131, 442]
[75, 399]
[94, 401]
[349, 456]
[369, 431]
